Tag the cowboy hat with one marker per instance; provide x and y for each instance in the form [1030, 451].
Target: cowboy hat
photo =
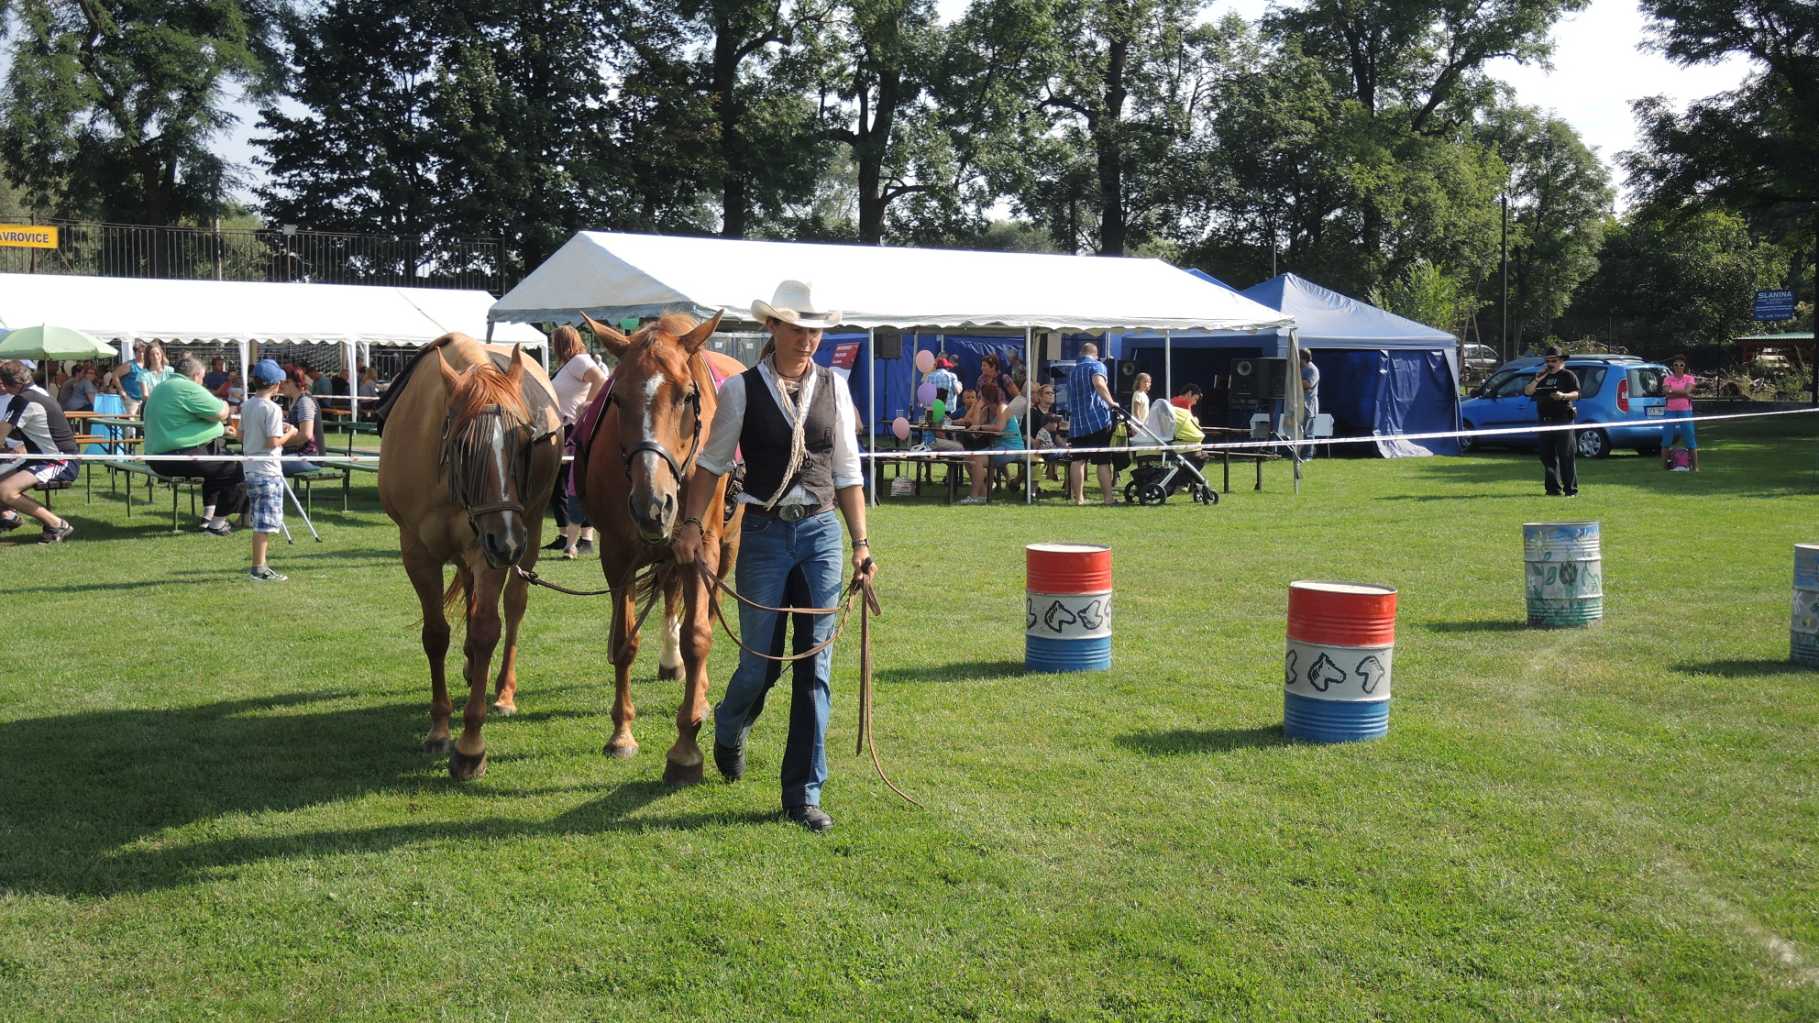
[794, 303]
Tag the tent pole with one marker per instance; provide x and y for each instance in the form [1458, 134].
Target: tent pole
[1168, 365]
[1029, 377]
[871, 410]
[352, 348]
[246, 379]
[1293, 387]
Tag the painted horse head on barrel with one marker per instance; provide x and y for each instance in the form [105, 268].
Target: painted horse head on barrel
[632, 474]
[471, 452]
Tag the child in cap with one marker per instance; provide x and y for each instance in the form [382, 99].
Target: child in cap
[263, 431]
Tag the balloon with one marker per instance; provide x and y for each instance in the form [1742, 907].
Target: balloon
[938, 411]
[925, 361]
[925, 394]
[900, 428]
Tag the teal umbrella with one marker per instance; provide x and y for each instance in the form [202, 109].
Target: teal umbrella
[48, 342]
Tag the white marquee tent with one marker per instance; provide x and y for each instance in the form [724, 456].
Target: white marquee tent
[124, 309]
[621, 275]
[611, 276]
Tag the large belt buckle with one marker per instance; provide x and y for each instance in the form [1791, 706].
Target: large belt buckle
[793, 512]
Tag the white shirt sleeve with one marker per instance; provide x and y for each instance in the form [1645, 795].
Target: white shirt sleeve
[723, 434]
[847, 472]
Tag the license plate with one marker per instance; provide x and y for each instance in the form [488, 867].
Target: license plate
[1657, 410]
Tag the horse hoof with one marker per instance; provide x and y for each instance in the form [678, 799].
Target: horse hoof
[505, 709]
[436, 745]
[681, 774]
[621, 750]
[462, 767]
[668, 673]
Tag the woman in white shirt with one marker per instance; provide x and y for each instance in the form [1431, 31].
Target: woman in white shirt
[580, 378]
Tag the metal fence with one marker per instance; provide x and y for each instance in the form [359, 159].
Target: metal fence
[239, 254]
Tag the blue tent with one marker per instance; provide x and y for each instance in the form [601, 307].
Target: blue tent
[897, 377]
[1380, 374]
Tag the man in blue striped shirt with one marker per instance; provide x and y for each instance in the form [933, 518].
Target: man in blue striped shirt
[1089, 417]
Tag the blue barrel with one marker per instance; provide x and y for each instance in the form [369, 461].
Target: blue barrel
[1565, 573]
[1805, 632]
[1336, 670]
[1067, 607]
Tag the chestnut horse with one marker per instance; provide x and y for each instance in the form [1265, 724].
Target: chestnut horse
[469, 461]
[662, 400]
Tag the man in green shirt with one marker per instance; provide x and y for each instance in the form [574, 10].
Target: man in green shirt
[182, 418]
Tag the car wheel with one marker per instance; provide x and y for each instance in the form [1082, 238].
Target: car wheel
[1594, 444]
[1466, 444]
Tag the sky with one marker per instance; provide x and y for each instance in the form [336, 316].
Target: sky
[1598, 69]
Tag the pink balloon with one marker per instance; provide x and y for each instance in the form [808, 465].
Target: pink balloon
[925, 395]
[925, 361]
[900, 428]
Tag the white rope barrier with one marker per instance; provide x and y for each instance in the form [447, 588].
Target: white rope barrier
[331, 460]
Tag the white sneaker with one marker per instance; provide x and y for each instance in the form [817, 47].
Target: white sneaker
[971, 500]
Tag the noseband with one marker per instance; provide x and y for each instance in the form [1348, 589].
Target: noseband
[678, 469]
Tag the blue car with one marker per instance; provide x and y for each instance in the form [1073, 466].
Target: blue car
[1613, 389]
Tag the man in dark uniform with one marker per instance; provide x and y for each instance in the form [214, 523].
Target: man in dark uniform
[1555, 389]
[794, 422]
[33, 418]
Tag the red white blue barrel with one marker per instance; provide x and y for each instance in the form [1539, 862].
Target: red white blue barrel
[1564, 565]
[1806, 605]
[1067, 610]
[1336, 673]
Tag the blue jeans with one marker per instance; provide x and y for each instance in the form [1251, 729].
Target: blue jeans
[297, 468]
[769, 549]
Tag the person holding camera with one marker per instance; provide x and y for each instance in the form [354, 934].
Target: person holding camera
[1554, 389]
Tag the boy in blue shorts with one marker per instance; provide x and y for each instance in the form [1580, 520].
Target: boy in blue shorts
[263, 431]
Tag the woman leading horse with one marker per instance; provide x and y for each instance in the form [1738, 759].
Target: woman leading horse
[472, 448]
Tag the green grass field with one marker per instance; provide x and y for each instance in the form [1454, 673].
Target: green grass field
[213, 803]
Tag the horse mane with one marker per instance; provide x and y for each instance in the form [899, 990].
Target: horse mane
[486, 384]
[672, 324]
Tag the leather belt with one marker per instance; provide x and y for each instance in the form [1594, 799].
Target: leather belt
[786, 512]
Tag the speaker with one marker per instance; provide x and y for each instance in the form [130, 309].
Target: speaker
[888, 344]
[1255, 380]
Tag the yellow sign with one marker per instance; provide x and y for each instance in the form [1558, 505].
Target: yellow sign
[27, 236]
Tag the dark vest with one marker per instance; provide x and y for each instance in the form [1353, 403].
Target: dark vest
[765, 440]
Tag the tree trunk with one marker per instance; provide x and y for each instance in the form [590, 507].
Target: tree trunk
[735, 199]
[1107, 140]
[874, 141]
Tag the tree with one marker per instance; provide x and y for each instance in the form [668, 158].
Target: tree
[1751, 147]
[1117, 84]
[111, 107]
[1560, 196]
[520, 152]
[358, 156]
[732, 80]
[872, 60]
[1426, 294]
[1670, 278]
[1416, 72]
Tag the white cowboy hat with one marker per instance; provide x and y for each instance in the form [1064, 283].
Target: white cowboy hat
[794, 303]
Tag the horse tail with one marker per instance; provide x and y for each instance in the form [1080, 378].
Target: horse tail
[452, 595]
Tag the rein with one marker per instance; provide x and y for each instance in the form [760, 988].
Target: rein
[866, 741]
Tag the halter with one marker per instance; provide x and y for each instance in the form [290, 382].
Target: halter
[459, 448]
[678, 469]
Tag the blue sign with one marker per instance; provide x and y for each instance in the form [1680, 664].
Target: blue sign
[1773, 306]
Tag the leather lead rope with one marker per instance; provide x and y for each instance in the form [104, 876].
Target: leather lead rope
[866, 741]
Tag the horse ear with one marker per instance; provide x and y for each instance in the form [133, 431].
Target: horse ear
[449, 376]
[516, 370]
[614, 341]
[694, 339]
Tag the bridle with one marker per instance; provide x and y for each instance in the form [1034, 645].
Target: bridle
[462, 447]
[678, 469]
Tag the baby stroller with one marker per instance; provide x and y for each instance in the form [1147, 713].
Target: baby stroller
[1158, 473]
